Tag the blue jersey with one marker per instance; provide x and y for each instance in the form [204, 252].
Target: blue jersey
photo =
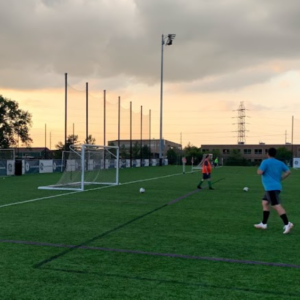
[272, 169]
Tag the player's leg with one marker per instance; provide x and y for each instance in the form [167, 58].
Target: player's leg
[201, 181]
[282, 213]
[266, 213]
[275, 202]
[209, 182]
[199, 184]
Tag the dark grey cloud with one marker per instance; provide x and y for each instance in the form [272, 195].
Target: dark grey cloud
[235, 80]
[42, 39]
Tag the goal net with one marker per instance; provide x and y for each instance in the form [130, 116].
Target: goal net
[7, 154]
[86, 165]
[7, 161]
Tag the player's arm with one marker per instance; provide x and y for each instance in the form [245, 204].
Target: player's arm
[260, 172]
[261, 169]
[285, 175]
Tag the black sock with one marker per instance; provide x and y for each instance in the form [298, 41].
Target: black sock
[266, 214]
[285, 219]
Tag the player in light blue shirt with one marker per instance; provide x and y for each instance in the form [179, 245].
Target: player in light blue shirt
[273, 171]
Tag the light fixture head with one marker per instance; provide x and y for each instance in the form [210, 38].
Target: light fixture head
[170, 38]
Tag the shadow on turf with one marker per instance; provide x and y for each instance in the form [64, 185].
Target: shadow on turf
[166, 281]
[52, 258]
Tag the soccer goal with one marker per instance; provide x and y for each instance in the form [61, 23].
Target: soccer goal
[7, 154]
[86, 165]
[7, 161]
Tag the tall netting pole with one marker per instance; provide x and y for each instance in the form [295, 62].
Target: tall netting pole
[130, 134]
[141, 146]
[45, 154]
[83, 164]
[104, 117]
[119, 120]
[117, 165]
[104, 122]
[150, 137]
[87, 113]
[66, 106]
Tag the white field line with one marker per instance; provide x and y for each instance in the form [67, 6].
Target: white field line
[75, 192]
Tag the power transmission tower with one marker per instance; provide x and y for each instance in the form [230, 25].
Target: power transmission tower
[241, 124]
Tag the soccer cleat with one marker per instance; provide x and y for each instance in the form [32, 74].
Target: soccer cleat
[199, 187]
[260, 226]
[287, 228]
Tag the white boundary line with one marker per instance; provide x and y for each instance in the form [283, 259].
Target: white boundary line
[37, 199]
[76, 192]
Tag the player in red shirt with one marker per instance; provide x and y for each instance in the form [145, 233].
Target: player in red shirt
[206, 173]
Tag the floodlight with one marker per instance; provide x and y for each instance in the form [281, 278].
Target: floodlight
[170, 38]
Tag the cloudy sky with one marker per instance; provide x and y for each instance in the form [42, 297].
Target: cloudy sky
[226, 52]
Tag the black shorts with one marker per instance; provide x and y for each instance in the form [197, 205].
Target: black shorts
[272, 197]
[206, 176]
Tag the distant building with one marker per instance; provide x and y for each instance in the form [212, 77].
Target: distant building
[34, 152]
[153, 145]
[252, 152]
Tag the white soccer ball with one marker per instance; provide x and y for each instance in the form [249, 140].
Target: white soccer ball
[245, 189]
[142, 190]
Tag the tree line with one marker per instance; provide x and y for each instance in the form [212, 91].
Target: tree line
[14, 124]
[235, 158]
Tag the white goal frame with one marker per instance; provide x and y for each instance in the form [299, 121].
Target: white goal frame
[81, 154]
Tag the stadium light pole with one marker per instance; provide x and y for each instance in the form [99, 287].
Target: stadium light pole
[168, 41]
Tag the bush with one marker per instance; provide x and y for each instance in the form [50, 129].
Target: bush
[237, 161]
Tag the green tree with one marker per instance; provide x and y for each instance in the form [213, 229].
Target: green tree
[192, 151]
[71, 140]
[124, 153]
[216, 153]
[172, 156]
[90, 140]
[14, 124]
[136, 150]
[113, 150]
[145, 152]
[284, 155]
[235, 159]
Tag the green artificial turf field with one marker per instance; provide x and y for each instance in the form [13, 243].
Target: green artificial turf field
[172, 242]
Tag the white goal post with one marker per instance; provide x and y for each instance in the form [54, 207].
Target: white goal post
[86, 165]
